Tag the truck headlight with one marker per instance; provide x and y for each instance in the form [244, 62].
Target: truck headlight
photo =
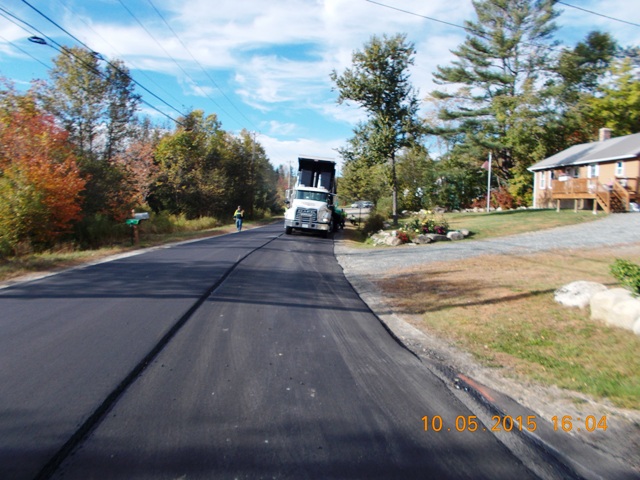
[326, 217]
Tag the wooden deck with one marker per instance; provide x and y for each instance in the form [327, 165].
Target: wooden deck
[615, 197]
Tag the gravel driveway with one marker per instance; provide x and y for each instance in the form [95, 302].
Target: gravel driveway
[615, 229]
[362, 266]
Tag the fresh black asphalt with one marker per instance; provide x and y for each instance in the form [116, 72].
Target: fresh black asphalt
[242, 356]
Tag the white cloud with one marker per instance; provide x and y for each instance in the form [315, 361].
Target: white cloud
[283, 152]
[273, 59]
[279, 128]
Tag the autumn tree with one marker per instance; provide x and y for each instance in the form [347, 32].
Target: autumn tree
[96, 103]
[138, 163]
[191, 179]
[40, 183]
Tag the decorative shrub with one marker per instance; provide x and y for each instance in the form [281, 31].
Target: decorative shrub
[628, 274]
[403, 236]
[373, 224]
[499, 198]
[425, 222]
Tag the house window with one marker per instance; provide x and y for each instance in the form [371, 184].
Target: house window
[573, 172]
[619, 169]
[543, 180]
[593, 170]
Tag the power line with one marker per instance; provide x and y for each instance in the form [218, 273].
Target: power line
[112, 65]
[471, 30]
[462, 27]
[166, 52]
[197, 62]
[423, 16]
[598, 14]
[175, 61]
[133, 64]
[4, 13]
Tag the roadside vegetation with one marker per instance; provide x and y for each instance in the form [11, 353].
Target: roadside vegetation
[159, 230]
[77, 159]
[508, 318]
[480, 225]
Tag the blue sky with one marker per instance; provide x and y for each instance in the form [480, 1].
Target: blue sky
[261, 65]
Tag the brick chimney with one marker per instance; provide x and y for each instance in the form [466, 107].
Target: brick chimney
[604, 134]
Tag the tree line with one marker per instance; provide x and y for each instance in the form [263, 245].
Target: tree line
[511, 92]
[76, 158]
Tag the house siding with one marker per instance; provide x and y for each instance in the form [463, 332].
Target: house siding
[607, 171]
[605, 176]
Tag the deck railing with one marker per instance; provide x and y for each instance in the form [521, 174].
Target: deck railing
[620, 192]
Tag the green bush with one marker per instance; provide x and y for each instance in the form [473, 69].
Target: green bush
[164, 222]
[160, 223]
[373, 224]
[628, 274]
[98, 230]
[384, 205]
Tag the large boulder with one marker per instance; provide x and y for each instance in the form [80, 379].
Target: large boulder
[577, 294]
[422, 240]
[617, 307]
[434, 237]
[393, 241]
[455, 235]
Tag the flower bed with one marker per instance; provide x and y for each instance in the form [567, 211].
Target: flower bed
[425, 222]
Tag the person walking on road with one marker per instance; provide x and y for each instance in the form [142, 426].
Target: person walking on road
[238, 214]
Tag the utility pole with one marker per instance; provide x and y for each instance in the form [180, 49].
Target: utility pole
[252, 179]
[489, 183]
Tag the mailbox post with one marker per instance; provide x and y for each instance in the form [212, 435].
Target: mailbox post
[133, 223]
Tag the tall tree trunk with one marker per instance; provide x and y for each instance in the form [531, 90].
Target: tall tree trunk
[395, 190]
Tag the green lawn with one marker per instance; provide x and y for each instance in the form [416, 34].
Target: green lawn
[498, 224]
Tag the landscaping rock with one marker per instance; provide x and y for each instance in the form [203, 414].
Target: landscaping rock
[393, 241]
[616, 307]
[577, 294]
[455, 235]
[437, 238]
[422, 240]
[465, 232]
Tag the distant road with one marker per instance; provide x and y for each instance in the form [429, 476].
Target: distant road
[242, 356]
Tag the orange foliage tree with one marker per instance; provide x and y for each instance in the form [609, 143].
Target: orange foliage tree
[40, 183]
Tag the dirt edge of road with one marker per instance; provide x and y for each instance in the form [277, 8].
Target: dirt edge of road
[451, 364]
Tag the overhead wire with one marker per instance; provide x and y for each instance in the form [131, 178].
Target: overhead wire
[133, 64]
[450, 24]
[16, 46]
[215, 84]
[176, 62]
[471, 30]
[598, 14]
[110, 63]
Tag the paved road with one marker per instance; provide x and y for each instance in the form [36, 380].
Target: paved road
[69, 342]
[279, 370]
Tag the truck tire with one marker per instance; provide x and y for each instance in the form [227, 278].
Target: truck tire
[288, 230]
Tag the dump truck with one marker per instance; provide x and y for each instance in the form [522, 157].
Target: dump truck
[312, 202]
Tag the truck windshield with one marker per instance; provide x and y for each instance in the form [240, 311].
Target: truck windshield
[317, 196]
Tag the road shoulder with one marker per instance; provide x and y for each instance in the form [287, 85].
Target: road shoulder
[616, 450]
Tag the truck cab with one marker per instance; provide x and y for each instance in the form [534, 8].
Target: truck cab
[311, 202]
